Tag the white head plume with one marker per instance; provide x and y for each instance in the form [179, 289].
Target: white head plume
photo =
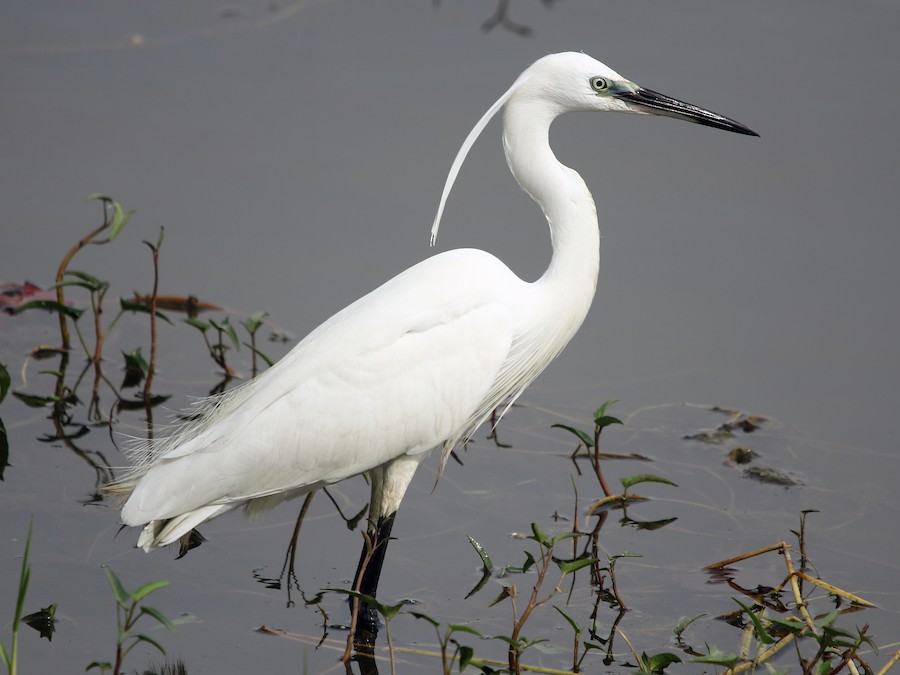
[467, 145]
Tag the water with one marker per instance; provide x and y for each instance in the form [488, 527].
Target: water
[295, 155]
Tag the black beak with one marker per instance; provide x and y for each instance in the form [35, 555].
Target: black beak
[660, 104]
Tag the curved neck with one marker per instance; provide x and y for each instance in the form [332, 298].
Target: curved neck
[561, 194]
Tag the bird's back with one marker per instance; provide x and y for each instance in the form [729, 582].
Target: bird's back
[407, 367]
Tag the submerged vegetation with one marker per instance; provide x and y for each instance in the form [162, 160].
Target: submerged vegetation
[788, 620]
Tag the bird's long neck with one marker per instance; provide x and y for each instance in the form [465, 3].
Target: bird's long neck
[567, 205]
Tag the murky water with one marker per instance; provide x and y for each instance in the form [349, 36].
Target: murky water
[295, 153]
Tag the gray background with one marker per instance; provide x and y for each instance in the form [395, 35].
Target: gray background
[295, 154]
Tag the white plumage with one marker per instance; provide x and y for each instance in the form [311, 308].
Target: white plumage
[419, 362]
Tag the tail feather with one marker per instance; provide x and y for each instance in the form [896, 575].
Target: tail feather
[158, 533]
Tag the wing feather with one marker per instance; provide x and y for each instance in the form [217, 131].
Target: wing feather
[400, 371]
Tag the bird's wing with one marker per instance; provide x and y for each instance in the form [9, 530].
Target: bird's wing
[398, 372]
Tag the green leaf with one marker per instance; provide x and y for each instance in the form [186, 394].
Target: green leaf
[567, 566]
[539, 535]
[84, 280]
[718, 657]
[682, 625]
[659, 662]
[132, 306]
[790, 625]
[761, 633]
[262, 355]
[147, 589]
[254, 321]
[4, 382]
[120, 219]
[202, 326]
[150, 640]
[616, 556]
[118, 590]
[387, 611]
[420, 615]
[102, 665]
[586, 440]
[565, 535]
[33, 401]
[136, 368]
[226, 327]
[629, 481]
[529, 562]
[4, 449]
[606, 420]
[465, 657]
[601, 411]
[504, 594]
[462, 628]
[159, 616]
[575, 626]
[485, 558]
[51, 305]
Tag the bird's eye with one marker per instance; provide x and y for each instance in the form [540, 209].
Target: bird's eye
[599, 84]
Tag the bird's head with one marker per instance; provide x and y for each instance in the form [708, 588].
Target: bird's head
[572, 82]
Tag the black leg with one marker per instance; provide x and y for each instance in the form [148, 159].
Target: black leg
[367, 574]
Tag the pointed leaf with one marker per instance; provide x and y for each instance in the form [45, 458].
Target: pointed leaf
[682, 625]
[4, 382]
[119, 592]
[606, 420]
[202, 326]
[565, 535]
[761, 634]
[462, 628]
[629, 481]
[51, 305]
[601, 411]
[504, 594]
[659, 662]
[539, 535]
[33, 401]
[420, 615]
[254, 321]
[83, 279]
[577, 628]
[147, 589]
[102, 665]
[567, 566]
[718, 657]
[150, 640]
[132, 306]
[789, 624]
[465, 657]
[260, 354]
[159, 616]
[4, 449]
[120, 219]
[485, 558]
[226, 327]
[529, 562]
[585, 439]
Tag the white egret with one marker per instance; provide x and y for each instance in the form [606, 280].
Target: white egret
[418, 363]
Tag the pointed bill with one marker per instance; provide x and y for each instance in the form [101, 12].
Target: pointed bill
[654, 103]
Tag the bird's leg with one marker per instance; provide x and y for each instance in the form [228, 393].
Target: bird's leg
[388, 482]
[368, 571]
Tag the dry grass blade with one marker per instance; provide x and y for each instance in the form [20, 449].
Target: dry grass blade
[782, 546]
[835, 590]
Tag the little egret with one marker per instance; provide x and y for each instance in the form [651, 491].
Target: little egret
[419, 362]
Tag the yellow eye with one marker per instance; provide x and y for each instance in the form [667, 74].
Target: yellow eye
[599, 84]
